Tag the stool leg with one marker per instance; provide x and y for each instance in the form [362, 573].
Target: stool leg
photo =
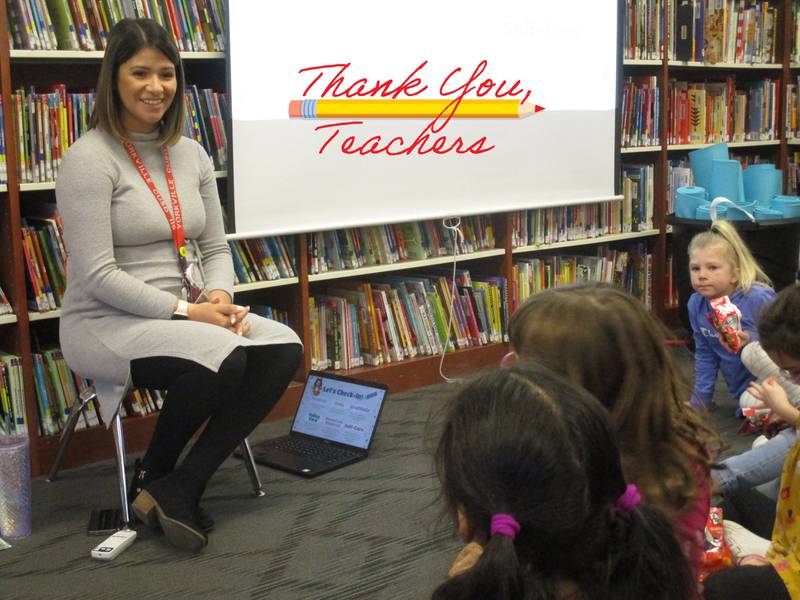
[119, 444]
[66, 435]
[250, 464]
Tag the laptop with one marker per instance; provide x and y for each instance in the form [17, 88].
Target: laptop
[333, 426]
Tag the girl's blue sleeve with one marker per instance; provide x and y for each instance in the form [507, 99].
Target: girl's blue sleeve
[706, 361]
[756, 300]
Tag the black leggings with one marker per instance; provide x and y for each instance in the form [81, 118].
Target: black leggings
[235, 399]
[745, 583]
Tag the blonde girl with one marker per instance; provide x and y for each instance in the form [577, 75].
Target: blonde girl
[720, 264]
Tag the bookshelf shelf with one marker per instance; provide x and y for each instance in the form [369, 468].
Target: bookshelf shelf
[702, 65]
[36, 187]
[794, 65]
[96, 55]
[793, 142]
[263, 285]
[730, 145]
[8, 319]
[3, 188]
[51, 185]
[640, 149]
[424, 370]
[588, 242]
[44, 316]
[404, 265]
[642, 62]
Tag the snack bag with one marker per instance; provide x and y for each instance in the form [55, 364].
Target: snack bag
[717, 555]
[727, 320]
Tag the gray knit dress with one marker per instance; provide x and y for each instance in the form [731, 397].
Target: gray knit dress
[122, 272]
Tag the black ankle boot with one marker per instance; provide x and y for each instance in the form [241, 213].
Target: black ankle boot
[166, 502]
[142, 477]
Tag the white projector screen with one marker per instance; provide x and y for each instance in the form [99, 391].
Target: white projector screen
[293, 174]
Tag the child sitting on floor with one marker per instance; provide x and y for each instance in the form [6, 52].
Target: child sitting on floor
[779, 578]
[531, 474]
[720, 264]
[605, 340]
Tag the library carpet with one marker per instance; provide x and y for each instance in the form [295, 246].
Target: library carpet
[372, 530]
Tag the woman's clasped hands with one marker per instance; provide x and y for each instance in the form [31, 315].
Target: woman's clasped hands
[220, 311]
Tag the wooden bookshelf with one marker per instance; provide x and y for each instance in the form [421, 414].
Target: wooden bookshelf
[664, 69]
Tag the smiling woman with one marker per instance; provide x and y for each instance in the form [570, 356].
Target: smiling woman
[146, 85]
[138, 266]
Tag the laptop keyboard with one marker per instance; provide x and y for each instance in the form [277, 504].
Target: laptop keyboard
[321, 453]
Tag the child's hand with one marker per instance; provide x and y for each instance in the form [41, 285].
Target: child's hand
[774, 397]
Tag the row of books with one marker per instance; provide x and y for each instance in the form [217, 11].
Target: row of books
[263, 259]
[205, 118]
[260, 259]
[45, 259]
[705, 113]
[643, 32]
[630, 269]
[12, 396]
[640, 114]
[195, 25]
[727, 31]
[47, 123]
[388, 244]
[57, 390]
[711, 31]
[394, 318]
[542, 226]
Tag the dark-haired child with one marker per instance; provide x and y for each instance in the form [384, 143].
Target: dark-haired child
[545, 510]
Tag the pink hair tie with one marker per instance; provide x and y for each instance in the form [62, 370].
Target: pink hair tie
[504, 524]
[630, 499]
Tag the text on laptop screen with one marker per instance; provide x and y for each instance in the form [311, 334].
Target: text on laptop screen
[340, 411]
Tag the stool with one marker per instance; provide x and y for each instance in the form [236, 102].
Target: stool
[117, 391]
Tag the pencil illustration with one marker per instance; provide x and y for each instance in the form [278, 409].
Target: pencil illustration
[411, 109]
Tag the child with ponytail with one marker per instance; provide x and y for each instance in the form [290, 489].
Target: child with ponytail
[603, 339]
[720, 264]
[545, 510]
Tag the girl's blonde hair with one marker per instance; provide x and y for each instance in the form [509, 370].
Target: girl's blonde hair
[724, 235]
[605, 340]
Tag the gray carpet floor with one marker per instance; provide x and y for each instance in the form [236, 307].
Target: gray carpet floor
[372, 530]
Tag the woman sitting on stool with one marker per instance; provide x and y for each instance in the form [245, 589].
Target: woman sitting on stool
[149, 299]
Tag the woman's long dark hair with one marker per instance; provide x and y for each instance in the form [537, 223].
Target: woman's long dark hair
[528, 443]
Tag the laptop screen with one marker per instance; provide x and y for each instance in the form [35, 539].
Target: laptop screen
[339, 409]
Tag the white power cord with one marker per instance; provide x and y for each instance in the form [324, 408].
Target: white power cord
[454, 225]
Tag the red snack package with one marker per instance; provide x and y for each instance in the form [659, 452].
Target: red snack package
[717, 555]
[726, 319]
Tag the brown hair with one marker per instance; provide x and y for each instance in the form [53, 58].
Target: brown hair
[128, 37]
[605, 340]
[736, 251]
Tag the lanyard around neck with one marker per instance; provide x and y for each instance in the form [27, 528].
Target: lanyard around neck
[175, 219]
